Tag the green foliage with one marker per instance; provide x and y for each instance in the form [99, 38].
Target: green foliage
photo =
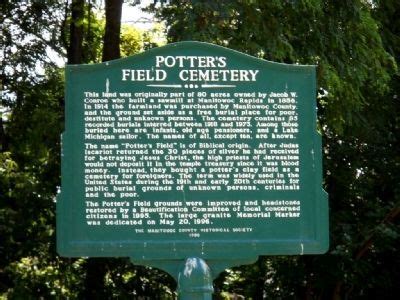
[29, 32]
[37, 277]
[29, 177]
[134, 40]
[342, 40]
[131, 40]
[356, 47]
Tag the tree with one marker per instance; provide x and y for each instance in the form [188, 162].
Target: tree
[31, 123]
[29, 156]
[357, 117]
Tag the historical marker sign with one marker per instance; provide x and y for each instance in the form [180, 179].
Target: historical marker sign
[191, 150]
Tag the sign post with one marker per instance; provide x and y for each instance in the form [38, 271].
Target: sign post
[191, 157]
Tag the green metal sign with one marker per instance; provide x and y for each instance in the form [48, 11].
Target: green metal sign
[191, 150]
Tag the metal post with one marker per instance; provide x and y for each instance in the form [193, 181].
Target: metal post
[195, 280]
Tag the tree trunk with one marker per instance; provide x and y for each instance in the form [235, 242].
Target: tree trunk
[96, 268]
[75, 49]
[111, 39]
[3, 136]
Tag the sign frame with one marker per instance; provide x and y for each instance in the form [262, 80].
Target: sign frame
[313, 238]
